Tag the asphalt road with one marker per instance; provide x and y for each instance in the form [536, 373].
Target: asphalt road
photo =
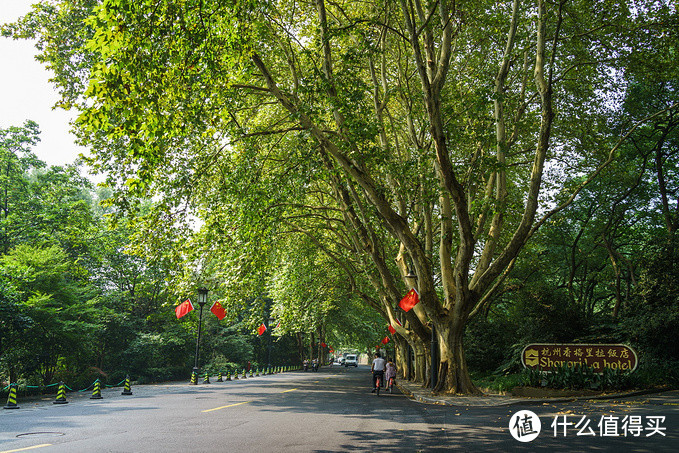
[330, 410]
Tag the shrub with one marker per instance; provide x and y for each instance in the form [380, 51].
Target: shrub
[580, 378]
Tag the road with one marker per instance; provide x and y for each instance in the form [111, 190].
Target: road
[331, 410]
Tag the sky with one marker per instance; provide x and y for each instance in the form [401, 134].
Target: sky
[26, 93]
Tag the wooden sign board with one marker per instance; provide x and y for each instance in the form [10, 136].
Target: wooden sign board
[547, 356]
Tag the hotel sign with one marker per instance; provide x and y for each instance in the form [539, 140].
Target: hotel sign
[547, 356]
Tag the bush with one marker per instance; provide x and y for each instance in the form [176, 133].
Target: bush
[220, 364]
[497, 383]
[580, 378]
[487, 342]
[156, 357]
[652, 319]
[653, 373]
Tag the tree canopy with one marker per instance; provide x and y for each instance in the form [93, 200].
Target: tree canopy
[330, 147]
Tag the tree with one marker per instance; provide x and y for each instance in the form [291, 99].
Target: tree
[16, 160]
[421, 131]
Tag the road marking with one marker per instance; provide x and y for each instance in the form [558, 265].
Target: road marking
[222, 407]
[286, 391]
[27, 448]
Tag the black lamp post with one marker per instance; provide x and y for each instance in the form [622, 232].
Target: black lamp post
[434, 358]
[271, 320]
[202, 300]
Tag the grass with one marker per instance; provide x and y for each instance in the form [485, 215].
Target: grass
[492, 383]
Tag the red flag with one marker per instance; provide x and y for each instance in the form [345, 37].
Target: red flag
[183, 308]
[262, 329]
[323, 345]
[391, 329]
[410, 300]
[385, 340]
[218, 310]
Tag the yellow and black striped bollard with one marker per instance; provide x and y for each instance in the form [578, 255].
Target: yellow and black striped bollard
[12, 397]
[127, 390]
[194, 378]
[61, 395]
[219, 377]
[96, 392]
[206, 378]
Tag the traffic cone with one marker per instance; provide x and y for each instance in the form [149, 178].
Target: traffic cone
[257, 373]
[126, 389]
[235, 375]
[206, 379]
[96, 392]
[12, 398]
[228, 375]
[245, 374]
[219, 377]
[252, 372]
[61, 395]
[194, 378]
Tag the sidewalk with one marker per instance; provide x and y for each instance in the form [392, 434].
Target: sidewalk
[424, 395]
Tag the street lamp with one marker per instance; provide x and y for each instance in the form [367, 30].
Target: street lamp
[271, 320]
[411, 274]
[434, 358]
[202, 300]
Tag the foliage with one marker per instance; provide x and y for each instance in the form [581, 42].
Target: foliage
[651, 321]
[327, 147]
[494, 383]
[488, 341]
[579, 378]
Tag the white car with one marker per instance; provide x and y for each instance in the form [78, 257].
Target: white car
[351, 360]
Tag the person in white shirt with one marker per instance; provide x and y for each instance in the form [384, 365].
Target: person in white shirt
[377, 368]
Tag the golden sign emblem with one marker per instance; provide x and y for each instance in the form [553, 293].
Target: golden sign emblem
[531, 357]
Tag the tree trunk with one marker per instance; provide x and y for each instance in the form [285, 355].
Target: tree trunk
[453, 374]
[420, 362]
[401, 351]
[300, 346]
[312, 341]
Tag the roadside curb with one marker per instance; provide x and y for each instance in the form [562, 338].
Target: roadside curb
[484, 401]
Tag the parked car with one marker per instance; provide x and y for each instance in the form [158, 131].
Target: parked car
[351, 360]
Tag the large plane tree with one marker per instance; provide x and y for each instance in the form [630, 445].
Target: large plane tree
[393, 135]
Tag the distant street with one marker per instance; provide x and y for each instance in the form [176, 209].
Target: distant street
[331, 410]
